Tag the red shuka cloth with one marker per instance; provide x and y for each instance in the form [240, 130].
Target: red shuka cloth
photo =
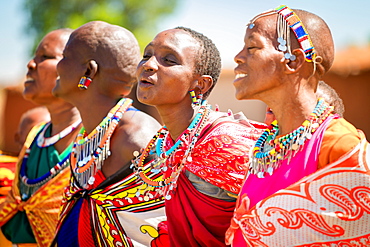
[203, 219]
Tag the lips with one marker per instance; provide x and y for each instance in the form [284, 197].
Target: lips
[29, 79]
[146, 81]
[240, 75]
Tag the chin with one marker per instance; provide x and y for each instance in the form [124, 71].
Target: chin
[240, 96]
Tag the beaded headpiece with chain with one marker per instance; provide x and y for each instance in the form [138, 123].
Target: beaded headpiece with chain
[288, 21]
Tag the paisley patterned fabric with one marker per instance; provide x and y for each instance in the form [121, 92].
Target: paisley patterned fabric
[221, 155]
[330, 207]
[227, 145]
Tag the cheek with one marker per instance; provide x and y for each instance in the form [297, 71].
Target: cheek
[48, 69]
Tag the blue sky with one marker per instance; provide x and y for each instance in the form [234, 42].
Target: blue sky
[221, 20]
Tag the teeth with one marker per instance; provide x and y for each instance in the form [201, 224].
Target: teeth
[237, 76]
[29, 79]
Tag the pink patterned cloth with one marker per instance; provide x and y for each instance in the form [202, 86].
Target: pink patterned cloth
[299, 206]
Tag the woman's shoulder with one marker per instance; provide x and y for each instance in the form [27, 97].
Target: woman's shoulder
[234, 126]
[340, 137]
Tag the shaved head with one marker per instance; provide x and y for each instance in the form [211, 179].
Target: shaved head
[111, 46]
[321, 38]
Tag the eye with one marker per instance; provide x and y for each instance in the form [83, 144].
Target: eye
[44, 57]
[146, 56]
[170, 60]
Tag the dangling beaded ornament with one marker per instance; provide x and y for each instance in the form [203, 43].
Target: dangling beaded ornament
[269, 152]
[43, 141]
[90, 151]
[163, 171]
[288, 21]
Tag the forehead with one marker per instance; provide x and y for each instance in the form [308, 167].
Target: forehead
[176, 40]
[264, 27]
[75, 45]
[53, 42]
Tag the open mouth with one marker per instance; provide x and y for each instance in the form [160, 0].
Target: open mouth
[29, 79]
[145, 82]
[237, 76]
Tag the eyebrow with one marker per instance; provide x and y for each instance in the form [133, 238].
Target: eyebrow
[165, 47]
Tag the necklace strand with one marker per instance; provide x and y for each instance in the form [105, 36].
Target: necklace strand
[163, 171]
[30, 186]
[43, 141]
[90, 151]
[269, 152]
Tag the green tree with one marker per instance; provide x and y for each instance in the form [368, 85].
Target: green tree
[139, 16]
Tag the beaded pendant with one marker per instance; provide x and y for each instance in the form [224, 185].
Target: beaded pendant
[269, 152]
[163, 171]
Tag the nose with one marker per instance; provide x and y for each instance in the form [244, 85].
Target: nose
[150, 64]
[239, 58]
[31, 64]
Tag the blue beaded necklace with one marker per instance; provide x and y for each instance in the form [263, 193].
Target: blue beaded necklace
[32, 185]
[269, 152]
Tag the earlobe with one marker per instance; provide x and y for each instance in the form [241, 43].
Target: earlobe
[292, 67]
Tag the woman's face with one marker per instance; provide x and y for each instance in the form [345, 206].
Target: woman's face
[167, 71]
[259, 66]
[71, 68]
[42, 72]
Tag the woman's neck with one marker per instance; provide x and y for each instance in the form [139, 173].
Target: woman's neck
[177, 119]
[291, 114]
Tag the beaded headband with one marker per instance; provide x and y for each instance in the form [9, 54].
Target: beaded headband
[288, 20]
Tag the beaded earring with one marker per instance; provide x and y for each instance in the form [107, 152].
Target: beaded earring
[194, 99]
[84, 82]
[199, 99]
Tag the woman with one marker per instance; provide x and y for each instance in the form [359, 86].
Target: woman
[30, 213]
[199, 155]
[100, 207]
[309, 165]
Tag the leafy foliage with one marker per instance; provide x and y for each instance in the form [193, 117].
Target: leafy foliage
[139, 16]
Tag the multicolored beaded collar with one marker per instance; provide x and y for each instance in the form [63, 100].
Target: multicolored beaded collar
[90, 151]
[30, 186]
[288, 20]
[269, 152]
[43, 141]
[161, 172]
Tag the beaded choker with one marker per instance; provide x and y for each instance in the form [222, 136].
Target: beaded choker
[43, 141]
[163, 171]
[90, 151]
[269, 152]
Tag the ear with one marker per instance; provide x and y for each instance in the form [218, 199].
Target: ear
[291, 67]
[205, 83]
[92, 69]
